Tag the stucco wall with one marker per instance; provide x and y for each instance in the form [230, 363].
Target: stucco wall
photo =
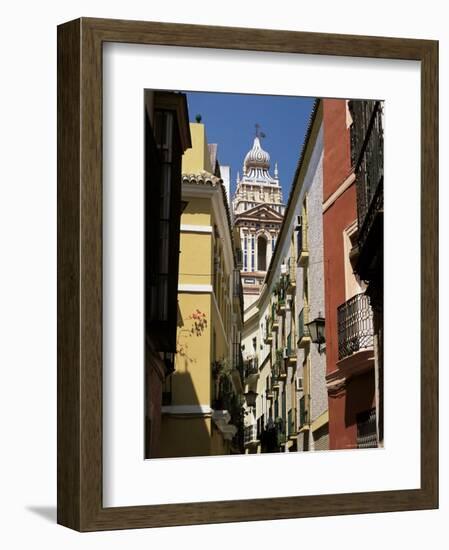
[316, 289]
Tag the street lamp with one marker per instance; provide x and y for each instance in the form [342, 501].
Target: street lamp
[250, 397]
[316, 331]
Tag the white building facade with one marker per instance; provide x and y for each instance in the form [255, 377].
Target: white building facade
[285, 369]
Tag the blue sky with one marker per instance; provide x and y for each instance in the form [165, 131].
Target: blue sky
[230, 122]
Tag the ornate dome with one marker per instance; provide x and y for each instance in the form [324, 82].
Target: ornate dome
[256, 157]
[257, 164]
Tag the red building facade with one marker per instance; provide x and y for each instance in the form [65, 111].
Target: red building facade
[350, 374]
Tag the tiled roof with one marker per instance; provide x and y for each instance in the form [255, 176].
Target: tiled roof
[202, 178]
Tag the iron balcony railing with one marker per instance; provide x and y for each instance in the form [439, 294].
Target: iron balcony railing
[302, 240]
[303, 318]
[366, 430]
[225, 398]
[303, 412]
[275, 375]
[291, 423]
[291, 272]
[355, 326]
[250, 434]
[302, 244]
[279, 366]
[251, 366]
[268, 335]
[289, 345]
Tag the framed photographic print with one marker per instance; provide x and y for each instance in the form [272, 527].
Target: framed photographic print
[244, 331]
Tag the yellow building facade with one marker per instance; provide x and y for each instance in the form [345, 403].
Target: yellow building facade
[202, 406]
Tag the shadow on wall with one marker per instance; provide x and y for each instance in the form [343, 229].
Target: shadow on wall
[185, 430]
[360, 397]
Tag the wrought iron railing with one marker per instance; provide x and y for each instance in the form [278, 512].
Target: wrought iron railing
[251, 366]
[292, 271]
[250, 434]
[301, 241]
[289, 345]
[280, 431]
[366, 430]
[279, 363]
[303, 318]
[268, 335]
[355, 326]
[225, 399]
[275, 374]
[303, 412]
[367, 158]
[291, 423]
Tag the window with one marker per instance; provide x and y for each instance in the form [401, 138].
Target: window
[252, 253]
[261, 253]
[245, 253]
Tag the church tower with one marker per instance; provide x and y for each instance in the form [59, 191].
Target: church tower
[258, 211]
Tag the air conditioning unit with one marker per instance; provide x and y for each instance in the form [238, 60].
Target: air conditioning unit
[299, 385]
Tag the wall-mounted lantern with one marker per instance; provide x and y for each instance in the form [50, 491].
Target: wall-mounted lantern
[316, 331]
[250, 397]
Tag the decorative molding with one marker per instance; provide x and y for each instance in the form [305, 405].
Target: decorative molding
[321, 421]
[200, 289]
[204, 410]
[188, 228]
[336, 194]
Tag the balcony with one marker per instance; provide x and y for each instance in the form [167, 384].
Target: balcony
[250, 435]
[275, 378]
[291, 278]
[355, 326]
[292, 433]
[274, 317]
[303, 412]
[279, 366]
[290, 352]
[280, 306]
[251, 368]
[268, 334]
[280, 431]
[303, 246]
[303, 331]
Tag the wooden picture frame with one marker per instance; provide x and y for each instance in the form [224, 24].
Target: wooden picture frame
[80, 504]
